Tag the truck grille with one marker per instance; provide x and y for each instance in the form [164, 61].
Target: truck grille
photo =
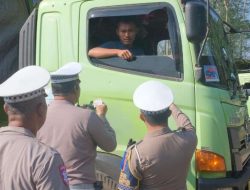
[244, 143]
[239, 138]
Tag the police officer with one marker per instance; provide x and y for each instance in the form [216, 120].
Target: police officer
[27, 164]
[73, 131]
[161, 160]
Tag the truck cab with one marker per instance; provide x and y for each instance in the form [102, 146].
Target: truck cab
[180, 50]
[244, 78]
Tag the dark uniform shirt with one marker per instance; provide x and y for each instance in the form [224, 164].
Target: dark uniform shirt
[27, 164]
[161, 160]
[75, 133]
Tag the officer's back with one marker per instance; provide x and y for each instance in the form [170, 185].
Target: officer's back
[25, 163]
[160, 161]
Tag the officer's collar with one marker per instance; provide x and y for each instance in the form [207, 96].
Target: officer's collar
[17, 130]
[158, 132]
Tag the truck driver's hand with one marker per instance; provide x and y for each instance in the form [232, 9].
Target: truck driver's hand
[125, 54]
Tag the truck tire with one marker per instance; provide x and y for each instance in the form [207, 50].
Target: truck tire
[108, 182]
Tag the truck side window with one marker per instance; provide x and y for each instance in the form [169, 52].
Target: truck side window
[157, 46]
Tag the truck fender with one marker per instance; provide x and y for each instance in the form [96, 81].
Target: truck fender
[108, 169]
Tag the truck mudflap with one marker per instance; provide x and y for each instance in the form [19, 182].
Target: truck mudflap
[238, 183]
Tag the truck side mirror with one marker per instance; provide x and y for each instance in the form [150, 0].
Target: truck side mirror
[195, 14]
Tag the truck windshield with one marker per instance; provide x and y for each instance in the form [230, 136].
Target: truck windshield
[216, 61]
[156, 48]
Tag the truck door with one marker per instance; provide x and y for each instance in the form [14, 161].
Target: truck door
[221, 113]
[161, 35]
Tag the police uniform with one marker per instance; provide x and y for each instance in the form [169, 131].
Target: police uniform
[161, 160]
[76, 132]
[27, 164]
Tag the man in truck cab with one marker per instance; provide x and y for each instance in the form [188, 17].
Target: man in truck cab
[73, 131]
[161, 160]
[25, 162]
[125, 48]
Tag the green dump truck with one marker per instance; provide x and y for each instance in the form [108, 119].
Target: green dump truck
[244, 77]
[13, 14]
[243, 67]
[186, 47]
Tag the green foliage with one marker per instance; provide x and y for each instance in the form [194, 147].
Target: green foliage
[237, 14]
[234, 12]
[243, 65]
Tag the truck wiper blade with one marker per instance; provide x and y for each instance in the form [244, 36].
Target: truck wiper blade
[232, 30]
[244, 71]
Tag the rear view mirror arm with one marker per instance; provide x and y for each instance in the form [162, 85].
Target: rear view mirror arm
[206, 36]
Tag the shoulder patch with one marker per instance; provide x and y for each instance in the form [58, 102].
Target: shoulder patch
[64, 175]
[127, 181]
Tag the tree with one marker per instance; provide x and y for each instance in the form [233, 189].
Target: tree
[237, 13]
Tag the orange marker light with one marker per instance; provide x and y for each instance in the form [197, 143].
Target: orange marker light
[207, 161]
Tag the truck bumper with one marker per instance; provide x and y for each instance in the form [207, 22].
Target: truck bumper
[239, 183]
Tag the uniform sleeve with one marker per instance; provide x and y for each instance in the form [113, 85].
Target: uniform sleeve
[101, 132]
[128, 179]
[52, 175]
[180, 118]
[186, 137]
[134, 163]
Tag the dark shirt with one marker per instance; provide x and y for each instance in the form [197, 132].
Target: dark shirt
[118, 45]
